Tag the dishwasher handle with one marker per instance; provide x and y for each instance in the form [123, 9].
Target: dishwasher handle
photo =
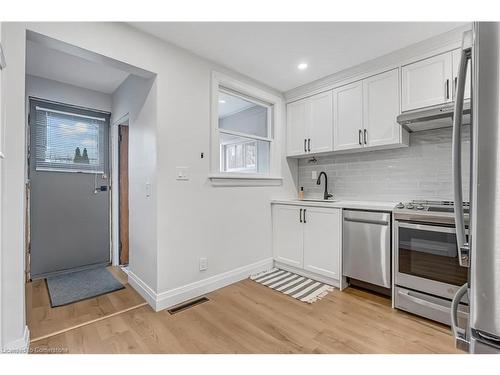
[367, 221]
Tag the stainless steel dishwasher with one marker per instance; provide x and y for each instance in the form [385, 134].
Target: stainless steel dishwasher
[367, 246]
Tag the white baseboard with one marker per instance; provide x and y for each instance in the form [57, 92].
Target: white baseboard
[142, 288]
[184, 293]
[21, 345]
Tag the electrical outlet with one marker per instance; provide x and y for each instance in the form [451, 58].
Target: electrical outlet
[314, 175]
[203, 264]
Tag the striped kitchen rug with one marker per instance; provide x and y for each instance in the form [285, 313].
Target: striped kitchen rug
[296, 286]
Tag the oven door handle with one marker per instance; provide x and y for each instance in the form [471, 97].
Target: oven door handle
[432, 228]
[419, 301]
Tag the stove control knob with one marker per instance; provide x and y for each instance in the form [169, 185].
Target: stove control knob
[400, 205]
[410, 206]
[420, 207]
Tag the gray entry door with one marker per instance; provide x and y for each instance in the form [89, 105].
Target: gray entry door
[69, 178]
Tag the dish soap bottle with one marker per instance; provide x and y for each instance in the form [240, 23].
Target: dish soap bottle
[301, 193]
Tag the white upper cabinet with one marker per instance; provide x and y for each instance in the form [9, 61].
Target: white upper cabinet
[456, 63]
[348, 116]
[427, 82]
[365, 112]
[297, 114]
[380, 109]
[309, 125]
[320, 125]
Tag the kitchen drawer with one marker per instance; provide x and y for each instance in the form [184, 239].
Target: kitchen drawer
[434, 308]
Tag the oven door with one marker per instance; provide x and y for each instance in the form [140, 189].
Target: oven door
[427, 259]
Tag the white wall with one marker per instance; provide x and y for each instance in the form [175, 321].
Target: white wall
[68, 94]
[13, 207]
[229, 225]
[136, 97]
[1, 179]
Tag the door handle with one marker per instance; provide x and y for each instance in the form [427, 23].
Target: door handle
[459, 333]
[305, 216]
[365, 136]
[300, 215]
[463, 246]
[305, 145]
[359, 137]
[309, 144]
[447, 88]
[367, 221]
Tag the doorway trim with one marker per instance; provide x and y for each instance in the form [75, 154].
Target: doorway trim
[115, 190]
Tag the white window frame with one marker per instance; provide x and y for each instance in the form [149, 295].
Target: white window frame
[220, 82]
[244, 146]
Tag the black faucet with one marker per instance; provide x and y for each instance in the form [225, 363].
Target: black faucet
[326, 195]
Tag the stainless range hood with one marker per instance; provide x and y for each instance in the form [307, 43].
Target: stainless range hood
[432, 118]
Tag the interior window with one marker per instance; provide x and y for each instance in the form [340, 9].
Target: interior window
[244, 133]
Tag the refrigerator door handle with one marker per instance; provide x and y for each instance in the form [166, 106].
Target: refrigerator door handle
[463, 246]
[461, 340]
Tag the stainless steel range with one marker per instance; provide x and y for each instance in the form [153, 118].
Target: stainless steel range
[426, 259]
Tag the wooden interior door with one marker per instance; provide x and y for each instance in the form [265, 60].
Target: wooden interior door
[123, 198]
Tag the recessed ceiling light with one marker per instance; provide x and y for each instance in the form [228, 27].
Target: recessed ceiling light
[302, 66]
[222, 101]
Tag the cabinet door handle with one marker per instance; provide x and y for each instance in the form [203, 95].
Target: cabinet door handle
[454, 86]
[359, 137]
[305, 145]
[447, 89]
[305, 216]
[300, 215]
[365, 137]
[309, 144]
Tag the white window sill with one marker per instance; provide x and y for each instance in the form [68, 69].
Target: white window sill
[240, 179]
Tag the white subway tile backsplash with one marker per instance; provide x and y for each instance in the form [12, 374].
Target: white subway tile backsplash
[421, 171]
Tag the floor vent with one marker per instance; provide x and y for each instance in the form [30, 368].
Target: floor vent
[187, 305]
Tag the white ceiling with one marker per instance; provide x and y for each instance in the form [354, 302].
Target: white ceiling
[270, 52]
[45, 62]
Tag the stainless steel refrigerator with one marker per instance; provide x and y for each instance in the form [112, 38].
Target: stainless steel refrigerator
[480, 250]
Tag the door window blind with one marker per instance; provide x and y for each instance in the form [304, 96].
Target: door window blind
[69, 142]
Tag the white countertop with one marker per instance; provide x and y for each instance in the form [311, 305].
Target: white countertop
[361, 205]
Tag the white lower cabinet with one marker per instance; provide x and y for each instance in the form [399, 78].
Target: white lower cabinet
[308, 238]
[288, 235]
[322, 241]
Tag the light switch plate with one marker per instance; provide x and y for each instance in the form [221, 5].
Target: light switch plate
[314, 175]
[182, 173]
[148, 189]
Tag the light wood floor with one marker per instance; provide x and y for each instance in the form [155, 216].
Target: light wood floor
[247, 317]
[43, 320]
